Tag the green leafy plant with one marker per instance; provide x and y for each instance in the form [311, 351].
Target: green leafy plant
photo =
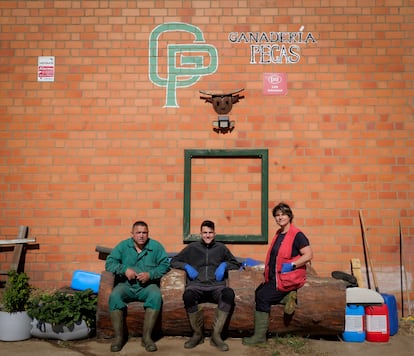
[64, 308]
[17, 292]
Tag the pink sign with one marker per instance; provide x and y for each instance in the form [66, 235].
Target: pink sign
[274, 83]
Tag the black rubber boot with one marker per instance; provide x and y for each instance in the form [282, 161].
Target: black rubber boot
[261, 324]
[150, 319]
[352, 281]
[216, 339]
[197, 323]
[117, 319]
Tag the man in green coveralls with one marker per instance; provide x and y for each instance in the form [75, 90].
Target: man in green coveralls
[138, 263]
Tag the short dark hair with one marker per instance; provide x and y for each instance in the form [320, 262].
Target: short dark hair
[139, 223]
[284, 208]
[208, 223]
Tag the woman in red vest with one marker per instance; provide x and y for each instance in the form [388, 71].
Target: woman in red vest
[285, 272]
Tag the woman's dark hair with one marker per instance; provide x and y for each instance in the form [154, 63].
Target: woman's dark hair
[284, 208]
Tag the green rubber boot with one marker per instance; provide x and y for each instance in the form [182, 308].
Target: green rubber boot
[150, 318]
[261, 324]
[219, 322]
[117, 319]
[197, 324]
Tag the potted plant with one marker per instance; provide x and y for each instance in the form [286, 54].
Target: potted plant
[63, 315]
[15, 323]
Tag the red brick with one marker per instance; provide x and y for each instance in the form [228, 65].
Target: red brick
[85, 156]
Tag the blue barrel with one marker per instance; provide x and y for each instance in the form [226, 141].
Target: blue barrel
[354, 323]
[391, 303]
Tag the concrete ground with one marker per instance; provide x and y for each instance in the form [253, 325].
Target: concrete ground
[399, 344]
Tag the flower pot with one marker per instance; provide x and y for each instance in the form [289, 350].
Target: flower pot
[45, 331]
[14, 326]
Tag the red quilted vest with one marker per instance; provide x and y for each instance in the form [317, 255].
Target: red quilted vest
[288, 281]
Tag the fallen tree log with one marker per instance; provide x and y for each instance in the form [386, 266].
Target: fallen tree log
[320, 309]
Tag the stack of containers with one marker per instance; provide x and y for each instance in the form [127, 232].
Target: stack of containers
[375, 323]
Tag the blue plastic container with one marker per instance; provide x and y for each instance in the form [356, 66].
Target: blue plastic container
[391, 303]
[82, 280]
[354, 323]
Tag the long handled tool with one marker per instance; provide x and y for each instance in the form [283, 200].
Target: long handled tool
[365, 250]
[405, 275]
[367, 255]
[401, 271]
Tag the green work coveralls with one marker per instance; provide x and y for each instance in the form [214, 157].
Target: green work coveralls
[152, 259]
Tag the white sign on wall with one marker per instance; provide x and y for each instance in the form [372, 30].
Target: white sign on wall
[46, 69]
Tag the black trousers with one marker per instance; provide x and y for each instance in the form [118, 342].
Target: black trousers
[266, 295]
[219, 294]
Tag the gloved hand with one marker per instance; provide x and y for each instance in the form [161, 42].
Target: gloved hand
[221, 269]
[287, 267]
[191, 271]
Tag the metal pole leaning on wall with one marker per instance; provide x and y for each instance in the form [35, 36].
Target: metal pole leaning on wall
[402, 266]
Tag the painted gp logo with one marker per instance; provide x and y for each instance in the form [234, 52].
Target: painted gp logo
[190, 68]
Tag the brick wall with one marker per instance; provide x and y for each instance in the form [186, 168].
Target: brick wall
[86, 155]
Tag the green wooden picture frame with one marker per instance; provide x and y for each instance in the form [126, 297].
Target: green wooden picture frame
[262, 154]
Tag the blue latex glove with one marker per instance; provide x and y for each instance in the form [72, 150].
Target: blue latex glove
[287, 267]
[191, 271]
[221, 269]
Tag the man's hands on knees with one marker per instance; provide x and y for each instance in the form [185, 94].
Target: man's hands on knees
[191, 271]
[221, 269]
